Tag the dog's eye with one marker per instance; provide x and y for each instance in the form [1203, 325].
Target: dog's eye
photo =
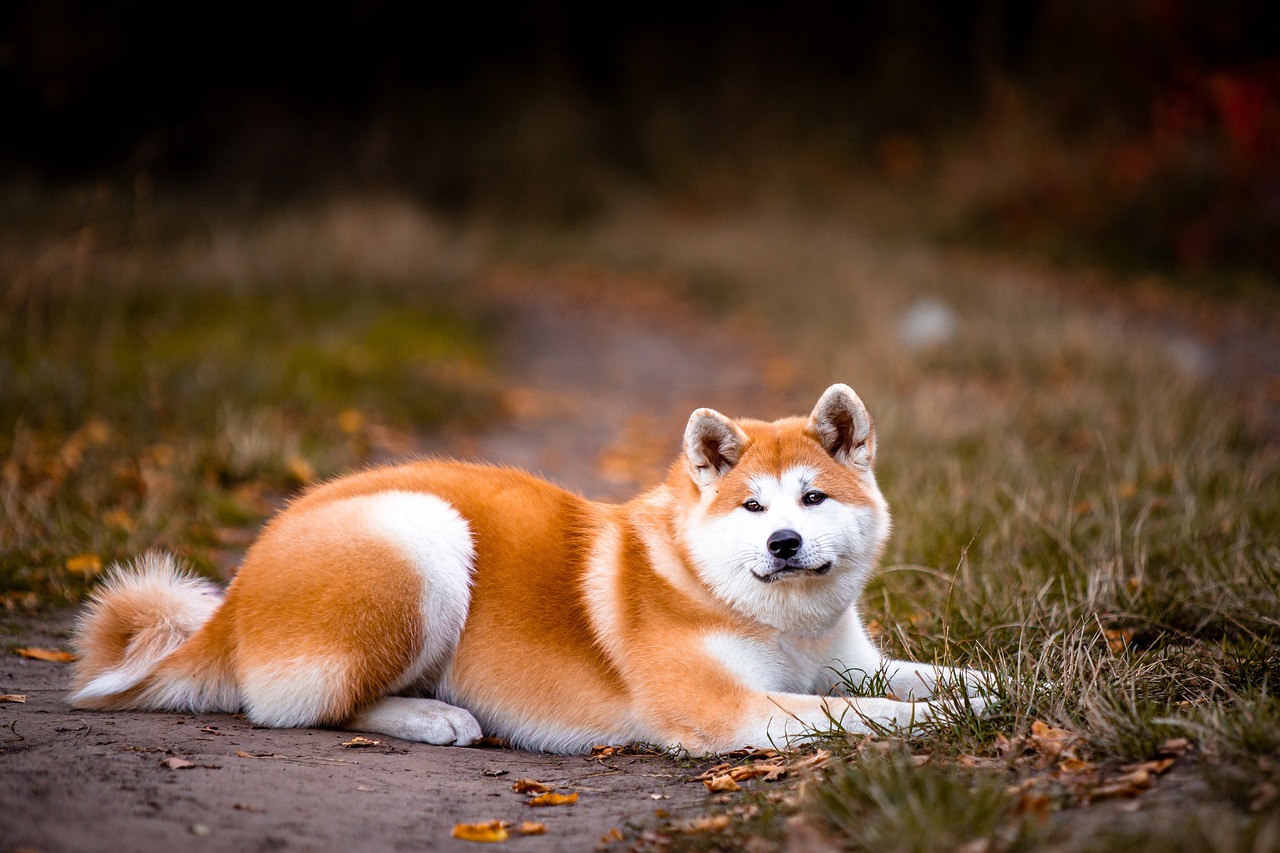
[813, 497]
[753, 505]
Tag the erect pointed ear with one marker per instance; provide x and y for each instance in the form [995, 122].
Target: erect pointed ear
[713, 445]
[842, 425]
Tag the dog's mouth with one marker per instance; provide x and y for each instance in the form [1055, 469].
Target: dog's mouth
[790, 570]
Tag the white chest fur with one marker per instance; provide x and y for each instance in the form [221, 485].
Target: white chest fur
[783, 662]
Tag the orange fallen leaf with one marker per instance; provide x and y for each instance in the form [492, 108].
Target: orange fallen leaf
[1118, 639]
[1157, 767]
[532, 827]
[717, 823]
[84, 564]
[554, 799]
[529, 786]
[611, 836]
[13, 697]
[1075, 765]
[721, 784]
[176, 763]
[358, 742]
[494, 830]
[51, 655]
[1174, 746]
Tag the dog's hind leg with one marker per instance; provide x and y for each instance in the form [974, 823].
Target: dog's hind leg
[344, 603]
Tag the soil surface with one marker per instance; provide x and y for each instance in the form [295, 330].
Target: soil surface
[600, 388]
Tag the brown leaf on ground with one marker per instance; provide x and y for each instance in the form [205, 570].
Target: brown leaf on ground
[554, 799]
[1176, 746]
[529, 786]
[51, 655]
[1155, 767]
[712, 823]
[12, 697]
[1118, 639]
[176, 763]
[721, 784]
[817, 761]
[494, 830]
[531, 827]
[1052, 743]
[358, 742]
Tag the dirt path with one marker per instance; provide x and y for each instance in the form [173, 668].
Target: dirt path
[600, 387]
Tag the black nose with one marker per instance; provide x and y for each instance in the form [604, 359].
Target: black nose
[784, 544]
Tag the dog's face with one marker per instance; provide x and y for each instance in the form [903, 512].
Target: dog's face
[790, 523]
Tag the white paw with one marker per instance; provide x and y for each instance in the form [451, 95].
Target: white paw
[421, 720]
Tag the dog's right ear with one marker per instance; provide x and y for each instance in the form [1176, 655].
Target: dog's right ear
[713, 444]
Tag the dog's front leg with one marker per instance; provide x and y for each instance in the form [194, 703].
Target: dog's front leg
[857, 661]
[789, 718]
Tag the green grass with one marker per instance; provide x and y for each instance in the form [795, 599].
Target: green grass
[1072, 508]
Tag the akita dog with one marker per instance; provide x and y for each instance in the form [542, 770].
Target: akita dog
[439, 601]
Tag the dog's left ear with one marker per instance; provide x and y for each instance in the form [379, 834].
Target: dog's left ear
[712, 444]
[841, 424]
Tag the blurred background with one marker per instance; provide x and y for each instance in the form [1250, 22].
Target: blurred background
[1142, 134]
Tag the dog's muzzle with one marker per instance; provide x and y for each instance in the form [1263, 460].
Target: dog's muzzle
[790, 570]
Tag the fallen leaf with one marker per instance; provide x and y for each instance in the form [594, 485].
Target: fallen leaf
[213, 730]
[494, 830]
[13, 697]
[240, 753]
[817, 761]
[721, 784]
[1033, 803]
[176, 763]
[51, 655]
[84, 564]
[1075, 765]
[358, 742]
[611, 836]
[532, 827]
[715, 823]
[1156, 767]
[529, 786]
[1118, 639]
[1052, 743]
[1174, 746]
[554, 799]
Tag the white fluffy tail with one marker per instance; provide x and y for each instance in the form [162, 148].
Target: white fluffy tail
[128, 635]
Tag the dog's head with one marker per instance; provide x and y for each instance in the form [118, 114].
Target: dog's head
[788, 523]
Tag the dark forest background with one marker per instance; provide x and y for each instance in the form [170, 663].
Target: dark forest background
[1145, 134]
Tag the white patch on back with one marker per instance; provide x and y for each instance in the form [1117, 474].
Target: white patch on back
[600, 590]
[436, 541]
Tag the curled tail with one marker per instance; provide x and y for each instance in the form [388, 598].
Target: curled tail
[149, 639]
